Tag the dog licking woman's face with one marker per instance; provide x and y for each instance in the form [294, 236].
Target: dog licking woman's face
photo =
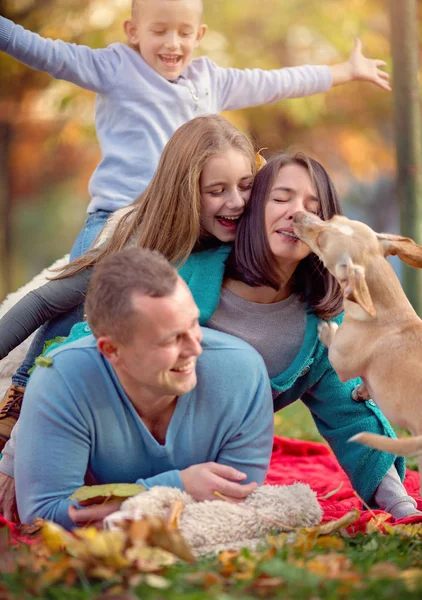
[293, 191]
[225, 185]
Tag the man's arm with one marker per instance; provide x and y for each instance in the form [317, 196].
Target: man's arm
[91, 69]
[38, 306]
[52, 449]
[252, 87]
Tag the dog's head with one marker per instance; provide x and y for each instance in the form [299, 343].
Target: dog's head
[347, 247]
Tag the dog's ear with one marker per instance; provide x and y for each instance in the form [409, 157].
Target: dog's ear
[353, 282]
[406, 249]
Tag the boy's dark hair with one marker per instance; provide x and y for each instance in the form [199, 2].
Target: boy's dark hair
[109, 301]
[252, 260]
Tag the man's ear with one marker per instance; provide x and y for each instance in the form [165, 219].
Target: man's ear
[131, 32]
[201, 32]
[406, 249]
[108, 348]
[353, 281]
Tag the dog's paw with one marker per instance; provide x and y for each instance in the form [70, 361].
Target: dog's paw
[326, 332]
[360, 393]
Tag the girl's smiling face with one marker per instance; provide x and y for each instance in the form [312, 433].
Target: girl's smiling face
[225, 184]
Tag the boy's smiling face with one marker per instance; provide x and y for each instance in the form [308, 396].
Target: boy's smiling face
[166, 32]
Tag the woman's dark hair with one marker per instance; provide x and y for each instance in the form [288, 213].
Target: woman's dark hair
[252, 260]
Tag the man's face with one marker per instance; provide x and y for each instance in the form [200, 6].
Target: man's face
[161, 358]
[166, 33]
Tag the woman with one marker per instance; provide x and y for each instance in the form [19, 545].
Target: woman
[270, 267]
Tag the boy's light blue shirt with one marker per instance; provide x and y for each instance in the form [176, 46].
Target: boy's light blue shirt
[76, 416]
[138, 110]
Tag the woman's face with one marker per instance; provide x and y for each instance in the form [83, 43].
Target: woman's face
[225, 185]
[292, 191]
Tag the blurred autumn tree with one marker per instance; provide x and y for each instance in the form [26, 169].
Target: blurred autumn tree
[48, 148]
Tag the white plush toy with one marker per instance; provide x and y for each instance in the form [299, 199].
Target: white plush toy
[212, 526]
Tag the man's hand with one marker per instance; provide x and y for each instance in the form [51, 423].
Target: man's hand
[8, 506]
[360, 68]
[201, 481]
[92, 515]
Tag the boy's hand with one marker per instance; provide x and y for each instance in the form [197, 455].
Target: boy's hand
[360, 68]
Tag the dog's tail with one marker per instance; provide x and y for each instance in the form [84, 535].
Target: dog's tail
[408, 446]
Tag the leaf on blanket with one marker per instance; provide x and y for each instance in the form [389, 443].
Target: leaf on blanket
[99, 494]
[331, 493]
[377, 523]
[336, 525]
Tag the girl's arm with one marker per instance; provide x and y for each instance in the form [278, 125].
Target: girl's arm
[91, 69]
[38, 306]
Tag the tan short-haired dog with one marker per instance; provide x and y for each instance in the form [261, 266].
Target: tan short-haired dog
[380, 339]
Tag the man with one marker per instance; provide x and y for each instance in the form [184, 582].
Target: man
[141, 401]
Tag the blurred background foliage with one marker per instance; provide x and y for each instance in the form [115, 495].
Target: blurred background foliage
[48, 147]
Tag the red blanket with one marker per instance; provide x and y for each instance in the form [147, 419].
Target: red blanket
[315, 464]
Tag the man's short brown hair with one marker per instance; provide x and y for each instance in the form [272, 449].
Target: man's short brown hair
[109, 301]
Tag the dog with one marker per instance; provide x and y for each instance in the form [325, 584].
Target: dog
[380, 338]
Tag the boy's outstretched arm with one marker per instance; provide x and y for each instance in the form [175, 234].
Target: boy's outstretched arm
[94, 70]
[360, 68]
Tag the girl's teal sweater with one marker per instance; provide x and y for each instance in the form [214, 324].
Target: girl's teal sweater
[310, 377]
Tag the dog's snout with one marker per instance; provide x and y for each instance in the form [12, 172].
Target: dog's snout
[298, 216]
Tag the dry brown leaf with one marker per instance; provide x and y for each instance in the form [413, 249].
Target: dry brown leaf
[414, 530]
[205, 579]
[149, 560]
[227, 559]
[172, 541]
[384, 569]
[175, 514]
[412, 579]
[334, 526]
[265, 585]
[330, 541]
[377, 523]
[333, 566]
[55, 572]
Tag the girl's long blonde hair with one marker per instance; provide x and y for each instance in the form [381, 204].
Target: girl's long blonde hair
[166, 216]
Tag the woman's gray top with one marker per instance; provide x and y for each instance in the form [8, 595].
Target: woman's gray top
[276, 330]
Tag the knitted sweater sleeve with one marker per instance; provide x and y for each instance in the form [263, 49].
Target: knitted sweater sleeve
[38, 306]
[338, 418]
[241, 88]
[91, 69]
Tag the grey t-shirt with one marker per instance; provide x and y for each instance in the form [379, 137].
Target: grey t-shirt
[276, 330]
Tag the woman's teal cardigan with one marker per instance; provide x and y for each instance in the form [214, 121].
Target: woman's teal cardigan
[310, 377]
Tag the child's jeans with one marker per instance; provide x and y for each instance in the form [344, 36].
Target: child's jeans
[62, 324]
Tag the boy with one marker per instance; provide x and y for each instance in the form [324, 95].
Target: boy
[147, 89]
